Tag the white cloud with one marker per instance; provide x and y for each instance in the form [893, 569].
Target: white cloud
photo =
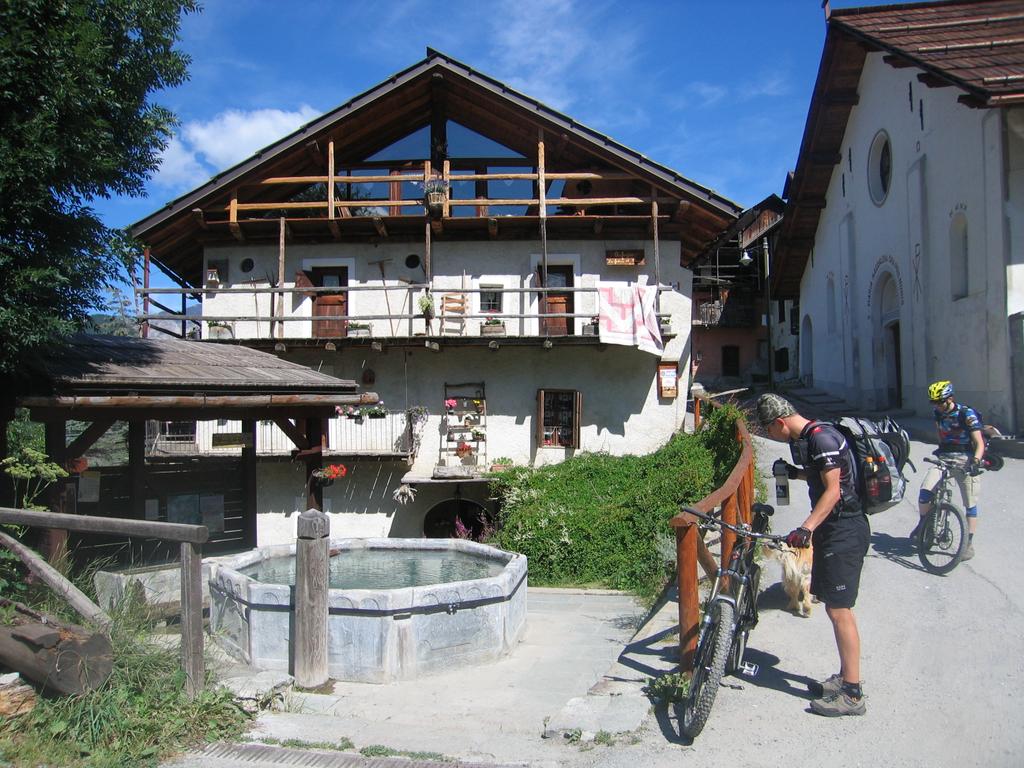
[179, 167]
[203, 148]
[708, 93]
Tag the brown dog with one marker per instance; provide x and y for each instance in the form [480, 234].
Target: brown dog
[796, 577]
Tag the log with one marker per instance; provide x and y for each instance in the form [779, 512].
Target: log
[16, 698]
[63, 659]
[77, 599]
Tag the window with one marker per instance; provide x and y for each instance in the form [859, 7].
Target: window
[730, 360]
[490, 297]
[782, 310]
[558, 418]
[794, 319]
[958, 271]
[879, 167]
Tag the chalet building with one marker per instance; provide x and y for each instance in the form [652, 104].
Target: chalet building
[512, 284]
[741, 335]
[901, 238]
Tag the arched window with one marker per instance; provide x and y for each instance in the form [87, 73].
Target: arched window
[958, 256]
[880, 167]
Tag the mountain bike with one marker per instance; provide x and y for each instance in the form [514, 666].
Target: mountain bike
[730, 615]
[942, 538]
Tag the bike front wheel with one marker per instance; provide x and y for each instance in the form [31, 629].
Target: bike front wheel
[942, 539]
[708, 667]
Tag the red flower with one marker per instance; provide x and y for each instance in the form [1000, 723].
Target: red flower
[334, 471]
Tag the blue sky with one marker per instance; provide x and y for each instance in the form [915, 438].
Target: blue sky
[718, 91]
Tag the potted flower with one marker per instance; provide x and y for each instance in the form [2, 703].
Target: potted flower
[356, 328]
[478, 434]
[501, 463]
[435, 195]
[377, 411]
[463, 450]
[450, 404]
[327, 475]
[219, 329]
[479, 405]
[592, 327]
[349, 411]
[492, 326]
[666, 325]
[426, 305]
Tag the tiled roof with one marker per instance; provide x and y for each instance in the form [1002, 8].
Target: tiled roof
[978, 46]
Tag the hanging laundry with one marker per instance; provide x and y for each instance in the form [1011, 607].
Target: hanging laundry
[628, 317]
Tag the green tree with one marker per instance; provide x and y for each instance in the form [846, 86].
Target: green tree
[76, 123]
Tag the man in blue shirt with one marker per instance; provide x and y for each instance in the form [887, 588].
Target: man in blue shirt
[960, 440]
[840, 533]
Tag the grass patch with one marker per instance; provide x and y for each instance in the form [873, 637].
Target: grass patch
[379, 750]
[668, 689]
[342, 745]
[138, 717]
[601, 520]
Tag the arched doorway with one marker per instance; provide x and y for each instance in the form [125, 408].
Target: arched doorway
[887, 332]
[457, 518]
[807, 352]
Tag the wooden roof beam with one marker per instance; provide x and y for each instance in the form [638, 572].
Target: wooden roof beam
[492, 228]
[824, 158]
[199, 217]
[378, 224]
[933, 81]
[896, 62]
[233, 225]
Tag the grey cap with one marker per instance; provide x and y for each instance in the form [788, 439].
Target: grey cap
[771, 407]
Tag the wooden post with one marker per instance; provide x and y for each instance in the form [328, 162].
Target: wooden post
[657, 251]
[728, 537]
[311, 578]
[542, 210]
[696, 414]
[137, 468]
[314, 461]
[249, 488]
[192, 618]
[145, 291]
[280, 281]
[689, 601]
[56, 449]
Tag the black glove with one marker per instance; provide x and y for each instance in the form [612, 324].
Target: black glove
[799, 538]
[974, 467]
[791, 471]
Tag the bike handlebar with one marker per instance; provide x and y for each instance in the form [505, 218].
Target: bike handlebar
[711, 521]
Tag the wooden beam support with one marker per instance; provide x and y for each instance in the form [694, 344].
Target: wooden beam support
[233, 225]
[378, 224]
[56, 498]
[88, 438]
[280, 278]
[199, 217]
[292, 431]
[313, 459]
[492, 228]
[897, 62]
[330, 181]
[437, 226]
[598, 226]
[933, 81]
[250, 507]
[314, 153]
[335, 229]
[137, 468]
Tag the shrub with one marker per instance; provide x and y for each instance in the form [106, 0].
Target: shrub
[602, 520]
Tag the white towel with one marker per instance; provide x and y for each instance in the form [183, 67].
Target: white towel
[628, 317]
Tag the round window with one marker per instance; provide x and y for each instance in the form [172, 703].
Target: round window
[247, 265]
[412, 261]
[880, 167]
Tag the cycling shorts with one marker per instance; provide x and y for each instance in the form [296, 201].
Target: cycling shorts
[840, 544]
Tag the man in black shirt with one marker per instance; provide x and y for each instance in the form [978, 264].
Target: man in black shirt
[839, 531]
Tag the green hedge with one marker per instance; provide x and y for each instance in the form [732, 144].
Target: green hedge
[600, 520]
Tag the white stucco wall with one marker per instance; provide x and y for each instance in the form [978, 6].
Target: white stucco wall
[621, 410]
[951, 167]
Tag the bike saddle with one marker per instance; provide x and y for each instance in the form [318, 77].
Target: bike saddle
[762, 509]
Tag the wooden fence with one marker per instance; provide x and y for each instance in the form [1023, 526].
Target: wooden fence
[735, 498]
[191, 537]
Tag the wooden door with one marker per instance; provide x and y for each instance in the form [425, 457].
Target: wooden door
[557, 303]
[333, 307]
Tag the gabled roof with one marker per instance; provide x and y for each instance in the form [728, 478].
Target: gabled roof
[405, 102]
[974, 45]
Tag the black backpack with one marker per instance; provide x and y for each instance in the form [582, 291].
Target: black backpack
[881, 450]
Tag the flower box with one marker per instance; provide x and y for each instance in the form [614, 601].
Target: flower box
[590, 329]
[358, 332]
[492, 329]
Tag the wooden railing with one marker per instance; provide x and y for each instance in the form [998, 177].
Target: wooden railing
[735, 498]
[191, 537]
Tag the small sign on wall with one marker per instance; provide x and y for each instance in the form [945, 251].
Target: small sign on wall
[624, 258]
[89, 487]
[668, 380]
[231, 439]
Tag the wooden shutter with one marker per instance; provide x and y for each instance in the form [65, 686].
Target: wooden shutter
[540, 418]
[305, 280]
[577, 417]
